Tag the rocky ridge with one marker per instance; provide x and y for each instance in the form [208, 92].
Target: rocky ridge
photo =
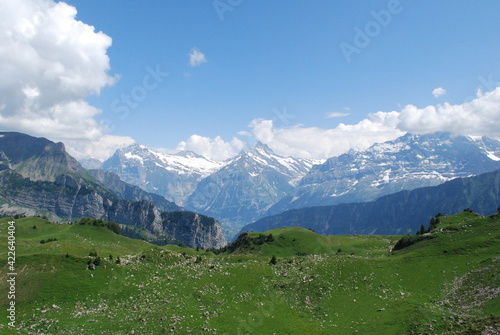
[63, 189]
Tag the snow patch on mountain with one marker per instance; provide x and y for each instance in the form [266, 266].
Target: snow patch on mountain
[492, 156]
[132, 156]
[187, 163]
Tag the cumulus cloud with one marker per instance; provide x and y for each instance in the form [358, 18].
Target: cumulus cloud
[212, 148]
[318, 143]
[50, 62]
[437, 92]
[100, 149]
[196, 57]
[479, 117]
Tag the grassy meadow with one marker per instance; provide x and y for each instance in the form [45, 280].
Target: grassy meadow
[447, 283]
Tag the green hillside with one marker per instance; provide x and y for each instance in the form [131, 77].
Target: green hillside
[448, 283]
[298, 241]
[76, 240]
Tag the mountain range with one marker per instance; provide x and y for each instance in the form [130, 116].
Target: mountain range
[254, 186]
[38, 176]
[236, 191]
[396, 213]
[247, 185]
[407, 163]
[258, 182]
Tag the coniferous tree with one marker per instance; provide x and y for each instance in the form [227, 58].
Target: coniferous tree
[433, 223]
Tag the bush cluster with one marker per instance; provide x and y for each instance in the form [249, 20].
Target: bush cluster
[48, 240]
[245, 241]
[408, 240]
[114, 227]
[94, 260]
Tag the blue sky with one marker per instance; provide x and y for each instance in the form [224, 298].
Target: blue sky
[285, 62]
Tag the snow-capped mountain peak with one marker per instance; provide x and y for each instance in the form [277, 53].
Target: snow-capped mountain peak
[172, 175]
[183, 163]
[247, 185]
[261, 157]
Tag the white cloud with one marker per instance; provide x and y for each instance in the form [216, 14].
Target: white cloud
[100, 149]
[196, 57]
[335, 114]
[437, 92]
[479, 117]
[50, 62]
[318, 143]
[216, 149]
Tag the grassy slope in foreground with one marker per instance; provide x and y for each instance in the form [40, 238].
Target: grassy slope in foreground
[448, 284]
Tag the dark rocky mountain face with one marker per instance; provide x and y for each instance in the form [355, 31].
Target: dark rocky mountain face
[409, 162]
[37, 158]
[45, 179]
[396, 213]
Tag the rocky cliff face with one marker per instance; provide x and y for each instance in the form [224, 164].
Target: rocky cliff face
[71, 199]
[130, 192]
[65, 198]
[38, 175]
[194, 228]
[37, 158]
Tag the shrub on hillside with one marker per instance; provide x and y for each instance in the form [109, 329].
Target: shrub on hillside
[408, 240]
[245, 242]
[48, 240]
[113, 226]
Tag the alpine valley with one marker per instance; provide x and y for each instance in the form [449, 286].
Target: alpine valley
[236, 191]
[258, 182]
